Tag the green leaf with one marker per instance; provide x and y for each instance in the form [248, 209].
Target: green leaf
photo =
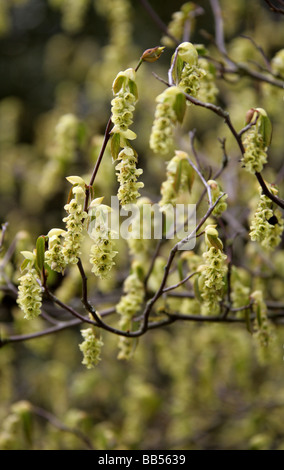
[76, 180]
[196, 288]
[178, 177]
[29, 255]
[118, 83]
[180, 106]
[177, 69]
[24, 264]
[265, 129]
[190, 174]
[115, 146]
[40, 251]
[133, 88]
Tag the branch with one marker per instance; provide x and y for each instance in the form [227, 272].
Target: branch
[273, 8]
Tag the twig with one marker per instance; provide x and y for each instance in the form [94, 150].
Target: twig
[208, 189]
[178, 284]
[274, 8]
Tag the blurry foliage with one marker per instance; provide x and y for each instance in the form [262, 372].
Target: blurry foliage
[189, 386]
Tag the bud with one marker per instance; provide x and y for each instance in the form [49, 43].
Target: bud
[153, 54]
[249, 115]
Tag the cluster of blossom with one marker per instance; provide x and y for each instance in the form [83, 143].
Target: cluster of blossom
[74, 226]
[123, 105]
[162, 133]
[256, 141]
[211, 282]
[54, 256]
[67, 250]
[127, 175]
[91, 348]
[267, 224]
[128, 306]
[30, 294]
[208, 90]
[177, 179]
[216, 191]
[102, 251]
[191, 73]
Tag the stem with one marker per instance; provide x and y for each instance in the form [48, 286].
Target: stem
[98, 162]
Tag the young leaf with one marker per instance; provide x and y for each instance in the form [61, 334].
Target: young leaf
[40, 251]
[178, 176]
[76, 180]
[133, 88]
[265, 129]
[180, 106]
[189, 171]
[115, 146]
[118, 83]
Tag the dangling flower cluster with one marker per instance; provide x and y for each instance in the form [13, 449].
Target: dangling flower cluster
[277, 63]
[211, 281]
[91, 348]
[191, 73]
[123, 104]
[256, 141]
[126, 95]
[267, 224]
[127, 175]
[216, 191]
[30, 294]
[208, 90]
[261, 326]
[54, 256]
[166, 117]
[74, 222]
[128, 306]
[102, 251]
[177, 179]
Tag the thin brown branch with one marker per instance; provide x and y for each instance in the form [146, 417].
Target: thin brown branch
[274, 8]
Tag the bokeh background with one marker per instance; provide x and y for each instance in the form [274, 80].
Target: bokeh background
[188, 386]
